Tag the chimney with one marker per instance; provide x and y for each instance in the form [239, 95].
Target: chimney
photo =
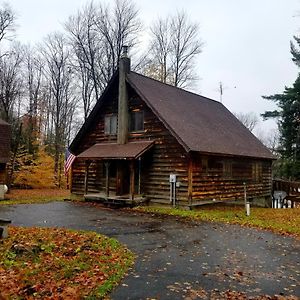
[124, 68]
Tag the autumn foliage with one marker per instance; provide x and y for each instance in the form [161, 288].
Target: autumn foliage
[29, 196]
[35, 173]
[43, 263]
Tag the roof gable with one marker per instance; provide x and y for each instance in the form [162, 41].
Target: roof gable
[198, 123]
[94, 113]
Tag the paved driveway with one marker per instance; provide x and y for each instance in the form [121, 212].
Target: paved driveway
[180, 260]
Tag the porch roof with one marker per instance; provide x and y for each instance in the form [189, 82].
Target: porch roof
[131, 150]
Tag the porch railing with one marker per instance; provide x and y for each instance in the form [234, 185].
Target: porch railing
[285, 194]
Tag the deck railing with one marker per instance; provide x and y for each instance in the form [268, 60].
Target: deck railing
[286, 193]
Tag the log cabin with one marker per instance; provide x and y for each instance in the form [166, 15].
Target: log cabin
[147, 140]
[4, 150]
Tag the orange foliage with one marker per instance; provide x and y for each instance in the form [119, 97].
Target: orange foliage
[22, 194]
[38, 174]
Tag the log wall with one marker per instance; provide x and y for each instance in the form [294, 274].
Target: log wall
[222, 178]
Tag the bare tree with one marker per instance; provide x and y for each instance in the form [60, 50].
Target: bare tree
[11, 84]
[160, 48]
[61, 101]
[118, 26]
[185, 46]
[96, 35]
[85, 43]
[175, 44]
[33, 90]
[7, 22]
[249, 120]
[10, 81]
[269, 138]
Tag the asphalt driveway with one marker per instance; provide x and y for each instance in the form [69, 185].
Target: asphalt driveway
[177, 259]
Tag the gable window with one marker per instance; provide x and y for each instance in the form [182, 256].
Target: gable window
[110, 124]
[136, 122]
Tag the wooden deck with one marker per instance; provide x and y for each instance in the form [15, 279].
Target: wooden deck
[124, 200]
[286, 191]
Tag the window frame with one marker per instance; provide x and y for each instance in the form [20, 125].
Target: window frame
[109, 118]
[227, 169]
[257, 172]
[135, 114]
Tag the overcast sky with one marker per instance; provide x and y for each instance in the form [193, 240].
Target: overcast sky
[246, 43]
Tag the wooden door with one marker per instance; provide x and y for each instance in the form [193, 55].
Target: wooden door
[123, 177]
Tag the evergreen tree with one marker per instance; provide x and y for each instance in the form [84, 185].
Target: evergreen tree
[288, 119]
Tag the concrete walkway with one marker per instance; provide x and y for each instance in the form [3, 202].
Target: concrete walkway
[180, 260]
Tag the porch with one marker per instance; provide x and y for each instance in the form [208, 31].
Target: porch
[117, 200]
[119, 181]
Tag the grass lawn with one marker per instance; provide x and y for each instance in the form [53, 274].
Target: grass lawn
[44, 263]
[20, 196]
[283, 221]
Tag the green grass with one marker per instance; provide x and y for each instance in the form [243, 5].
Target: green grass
[283, 221]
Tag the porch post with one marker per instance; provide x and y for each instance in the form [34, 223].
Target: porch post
[132, 179]
[70, 177]
[190, 179]
[140, 167]
[86, 176]
[106, 179]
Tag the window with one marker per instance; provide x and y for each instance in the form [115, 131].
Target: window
[227, 168]
[257, 171]
[110, 124]
[215, 165]
[136, 121]
[242, 170]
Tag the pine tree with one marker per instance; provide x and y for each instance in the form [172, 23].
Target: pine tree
[288, 119]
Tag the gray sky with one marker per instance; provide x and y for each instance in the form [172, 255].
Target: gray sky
[246, 43]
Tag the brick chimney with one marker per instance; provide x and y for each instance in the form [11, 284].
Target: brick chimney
[123, 115]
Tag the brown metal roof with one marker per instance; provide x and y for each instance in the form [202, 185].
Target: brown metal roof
[199, 123]
[4, 141]
[130, 150]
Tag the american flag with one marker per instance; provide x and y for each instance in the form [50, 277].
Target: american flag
[68, 162]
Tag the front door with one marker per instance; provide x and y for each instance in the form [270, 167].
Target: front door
[123, 178]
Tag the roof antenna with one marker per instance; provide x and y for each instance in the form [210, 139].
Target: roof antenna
[221, 89]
